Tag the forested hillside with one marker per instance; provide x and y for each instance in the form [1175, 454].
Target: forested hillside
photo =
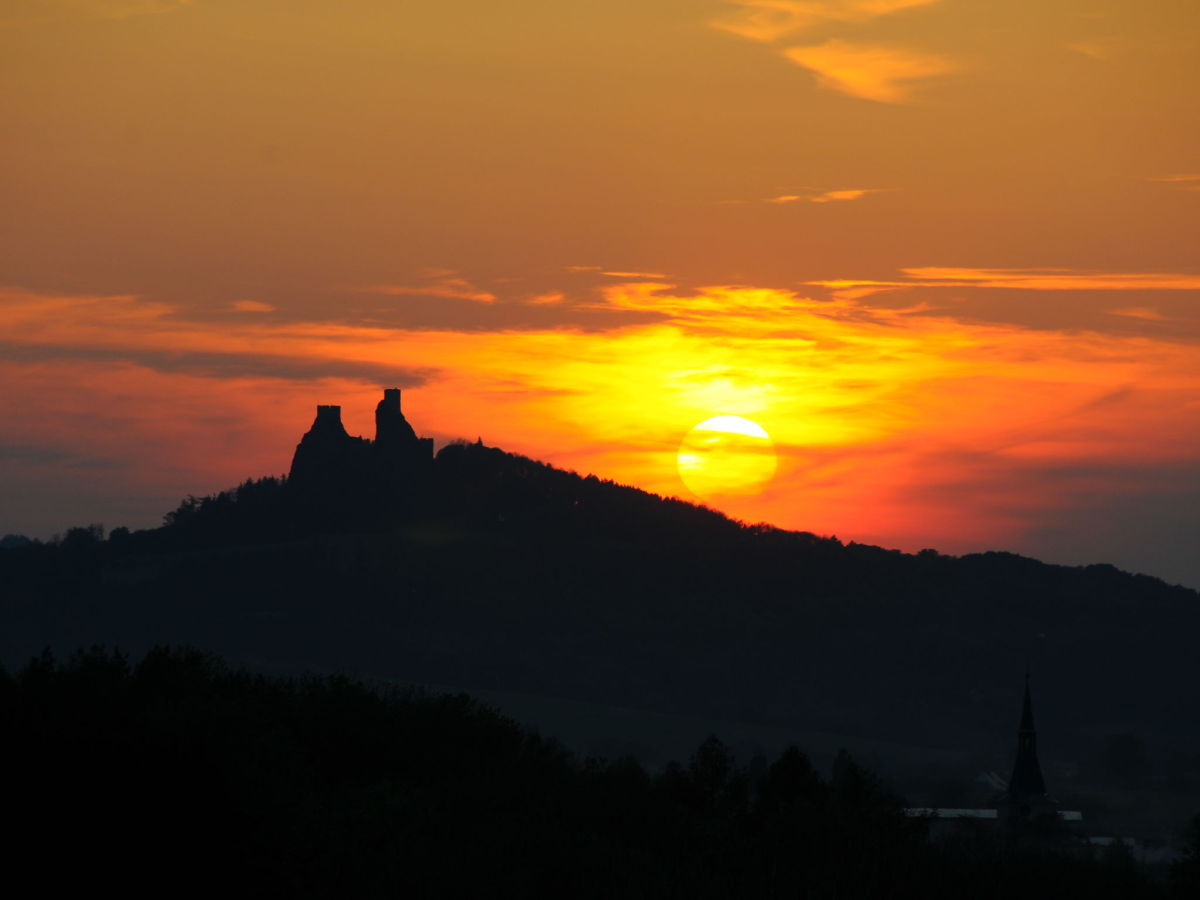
[504, 573]
[182, 776]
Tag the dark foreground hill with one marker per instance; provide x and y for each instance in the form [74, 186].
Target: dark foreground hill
[182, 777]
[498, 572]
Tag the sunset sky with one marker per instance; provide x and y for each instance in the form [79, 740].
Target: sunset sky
[943, 252]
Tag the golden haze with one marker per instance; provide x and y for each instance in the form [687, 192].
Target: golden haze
[943, 251]
[896, 424]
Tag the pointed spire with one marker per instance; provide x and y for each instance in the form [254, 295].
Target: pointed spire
[1027, 784]
[1027, 709]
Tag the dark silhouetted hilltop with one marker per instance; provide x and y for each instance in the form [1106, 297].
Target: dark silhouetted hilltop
[485, 570]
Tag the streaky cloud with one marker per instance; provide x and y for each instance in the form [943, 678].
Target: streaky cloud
[838, 196]
[825, 196]
[1022, 279]
[869, 71]
[252, 306]
[1096, 48]
[883, 417]
[1059, 279]
[448, 287]
[835, 196]
[215, 364]
[1145, 313]
[1182, 182]
[769, 20]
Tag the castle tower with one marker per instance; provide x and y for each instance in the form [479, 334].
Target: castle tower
[328, 461]
[325, 452]
[328, 422]
[391, 428]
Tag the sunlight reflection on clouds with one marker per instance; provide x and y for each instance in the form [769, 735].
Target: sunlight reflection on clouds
[875, 412]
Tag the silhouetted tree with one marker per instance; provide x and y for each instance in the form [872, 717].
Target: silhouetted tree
[1185, 873]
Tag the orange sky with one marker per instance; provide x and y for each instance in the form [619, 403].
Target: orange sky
[943, 252]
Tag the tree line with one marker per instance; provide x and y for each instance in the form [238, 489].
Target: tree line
[178, 773]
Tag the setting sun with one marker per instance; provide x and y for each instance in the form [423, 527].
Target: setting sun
[726, 456]
[957, 293]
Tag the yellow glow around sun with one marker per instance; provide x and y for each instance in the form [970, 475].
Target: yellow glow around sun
[726, 456]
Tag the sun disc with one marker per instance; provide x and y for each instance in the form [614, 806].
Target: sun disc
[726, 456]
[732, 425]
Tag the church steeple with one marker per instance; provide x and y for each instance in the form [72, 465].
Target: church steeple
[1027, 787]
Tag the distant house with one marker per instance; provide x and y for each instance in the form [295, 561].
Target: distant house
[941, 812]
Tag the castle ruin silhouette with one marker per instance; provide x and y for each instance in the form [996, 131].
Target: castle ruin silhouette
[328, 459]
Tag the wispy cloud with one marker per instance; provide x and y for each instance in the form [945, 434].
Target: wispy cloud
[870, 71]
[1059, 279]
[615, 273]
[1145, 313]
[879, 72]
[837, 196]
[891, 425]
[277, 365]
[126, 329]
[442, 283]
[824, 196]
[1183, 182]
[252, 306]
[1023, 279]
[769, 20]
[1096, 48]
